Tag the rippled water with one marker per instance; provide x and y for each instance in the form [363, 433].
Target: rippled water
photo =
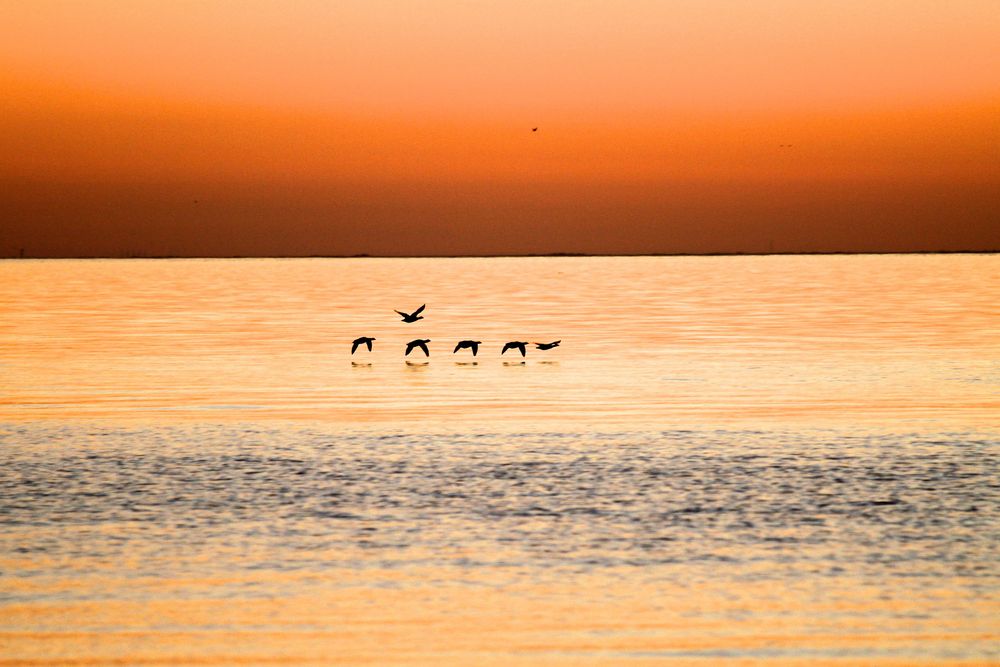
[773, 459]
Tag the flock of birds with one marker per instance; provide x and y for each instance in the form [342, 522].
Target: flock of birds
[473, 345]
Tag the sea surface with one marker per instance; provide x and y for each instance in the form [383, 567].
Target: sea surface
[727, 460]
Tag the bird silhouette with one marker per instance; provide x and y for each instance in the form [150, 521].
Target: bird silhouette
[514, 345]
[534, 129]
[547, 346]
[414, 316]
[471, 344]
[419, 342]
[364, 340]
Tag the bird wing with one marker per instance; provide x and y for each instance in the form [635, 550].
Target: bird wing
[423, 346]
[506, 347]
[457, 348]
[521, 348]
[475, 348]
[368, 342]
[409, 348]
[420, 309]
[401, 313]
[354, 346]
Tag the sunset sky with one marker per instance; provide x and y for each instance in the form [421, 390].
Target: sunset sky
[398, 127]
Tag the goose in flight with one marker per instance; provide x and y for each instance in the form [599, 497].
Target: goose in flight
[547, 346]
[414, 316]
[514, 345]
[418, 343]
[364, 340]
[471, 344]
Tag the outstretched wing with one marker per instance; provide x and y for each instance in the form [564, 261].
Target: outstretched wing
[420, 309]
[399, 312]
[521, 349]
[423, 346]
[369, 344]
[475, 348]
[457, 348]
[354, 346]
[506, 347]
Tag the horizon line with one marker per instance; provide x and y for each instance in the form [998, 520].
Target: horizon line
[517, 255]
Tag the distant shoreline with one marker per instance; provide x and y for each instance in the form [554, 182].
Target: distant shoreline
[524, 255]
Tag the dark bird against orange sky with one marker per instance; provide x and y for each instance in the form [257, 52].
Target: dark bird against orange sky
[470, 344]
[514, 345]
[414, 316]
[420, 343]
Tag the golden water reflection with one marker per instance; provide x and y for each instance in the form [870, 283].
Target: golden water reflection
[648, 341]
[756, 460]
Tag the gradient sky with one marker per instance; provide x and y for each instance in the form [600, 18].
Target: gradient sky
[303, 128]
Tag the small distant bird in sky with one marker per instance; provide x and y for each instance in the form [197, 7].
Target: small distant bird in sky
[514, 345]
[534, 129]
[471, 344]
[364, 340]
[414, 316]
[548, 346]
[419, 342]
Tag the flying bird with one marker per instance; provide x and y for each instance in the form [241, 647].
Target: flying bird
[534, 129]
[419, 342]
[414, 316]
[547, 346]
[514, 345]
[364, 340]
[471, 344]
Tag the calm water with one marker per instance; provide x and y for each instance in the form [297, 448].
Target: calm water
[761, 459]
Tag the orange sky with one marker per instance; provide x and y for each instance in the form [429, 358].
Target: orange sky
[221, 128]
